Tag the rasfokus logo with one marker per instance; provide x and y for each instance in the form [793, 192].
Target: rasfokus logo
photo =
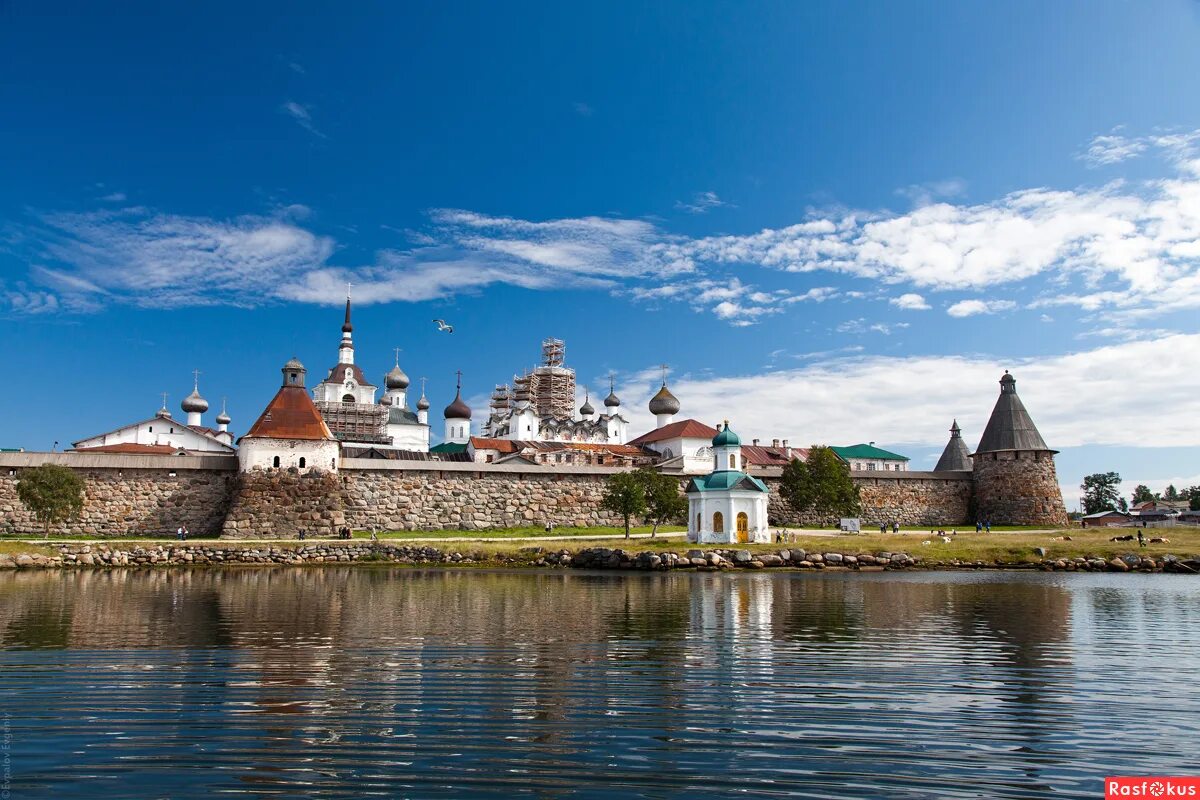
[1156, 786]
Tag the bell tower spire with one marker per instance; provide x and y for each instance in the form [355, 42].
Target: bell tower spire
[346, 348]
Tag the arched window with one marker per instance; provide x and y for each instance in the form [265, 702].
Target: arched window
[743, 527]
[732, 461]
[301, 462]
[347, 398]
[276, 462]
[718, 522]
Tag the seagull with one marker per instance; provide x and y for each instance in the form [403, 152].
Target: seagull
[442, 326]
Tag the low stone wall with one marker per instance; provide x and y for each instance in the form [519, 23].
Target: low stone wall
[74, 555]
[278, 504]
[910, 498]
[474, 498]
[127, 495]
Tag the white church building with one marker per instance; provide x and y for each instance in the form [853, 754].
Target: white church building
[727, 506]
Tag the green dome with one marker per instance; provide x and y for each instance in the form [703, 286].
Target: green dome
[726, 438]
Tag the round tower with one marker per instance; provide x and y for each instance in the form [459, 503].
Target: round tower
[1013, 469]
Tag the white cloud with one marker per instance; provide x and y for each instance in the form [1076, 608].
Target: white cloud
[115, 197]
[969, 308]
[908, 400]
[583, 109]
[701, 203]
[1112, 149]
[910, 301]
[303, 116]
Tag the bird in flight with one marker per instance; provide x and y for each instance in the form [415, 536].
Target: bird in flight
[442, 326]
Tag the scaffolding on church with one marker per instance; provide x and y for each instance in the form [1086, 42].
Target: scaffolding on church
[552, 385]
[356, 422]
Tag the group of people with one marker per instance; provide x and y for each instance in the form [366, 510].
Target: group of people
[984, 526]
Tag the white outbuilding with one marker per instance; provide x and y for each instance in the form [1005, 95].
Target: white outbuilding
[727, 506]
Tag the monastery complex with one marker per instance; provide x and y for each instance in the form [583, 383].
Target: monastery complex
[342, 453]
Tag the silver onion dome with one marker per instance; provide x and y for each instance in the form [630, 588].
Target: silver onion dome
[423, 404]
[386, 400]
[396, 379]
[664, 402]
[194, 403]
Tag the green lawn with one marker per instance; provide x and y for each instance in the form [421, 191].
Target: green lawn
[516, 533]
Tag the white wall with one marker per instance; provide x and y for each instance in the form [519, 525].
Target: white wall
[257, 453]
[160, 430]
[730, 504]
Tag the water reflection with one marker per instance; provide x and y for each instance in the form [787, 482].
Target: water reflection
[363, 681]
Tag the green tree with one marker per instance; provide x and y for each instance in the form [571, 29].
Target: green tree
[54, 494]
[663, 500]
[1170, 493]
[624, 494]
[1142, 494]
[1192, 495]
[821, 485]
[1100, 492]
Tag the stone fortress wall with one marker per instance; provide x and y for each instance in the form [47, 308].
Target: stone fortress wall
[154, 495]
[129, 495]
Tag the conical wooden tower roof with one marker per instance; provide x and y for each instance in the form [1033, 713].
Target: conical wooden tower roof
[956, 456]
[1010, 427]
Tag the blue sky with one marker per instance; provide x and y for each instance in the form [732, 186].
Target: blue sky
[835, 222]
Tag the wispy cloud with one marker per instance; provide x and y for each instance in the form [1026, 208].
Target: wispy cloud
[1131, 249]
[923, 194]
[583, 109]
[302, 114]
[701, 203]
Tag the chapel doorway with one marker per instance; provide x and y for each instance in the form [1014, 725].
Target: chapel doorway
[743, 528]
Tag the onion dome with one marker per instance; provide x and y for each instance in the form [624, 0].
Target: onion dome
[612, 401]
[586, 409]
[726, 438]
[386, 400]
[457, 409]
[224, 419]
[664, 402]
[423, 403]
[163, 412]
[396, 379]
[194, 403]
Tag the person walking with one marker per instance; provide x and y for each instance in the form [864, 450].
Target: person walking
[978, 526]
[185, 533]
[179, 533]
[895, 526]
[1141, 539]
[987, 526]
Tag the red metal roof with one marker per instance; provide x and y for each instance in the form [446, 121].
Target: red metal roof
[771, 456]
[290, 415]
[131, 448]
[686, 429]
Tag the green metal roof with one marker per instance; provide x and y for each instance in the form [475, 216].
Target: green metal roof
[724, 480]
[866, 451]
[726, 438]
[449, 447]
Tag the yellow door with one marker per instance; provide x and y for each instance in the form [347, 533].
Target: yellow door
[743, 527]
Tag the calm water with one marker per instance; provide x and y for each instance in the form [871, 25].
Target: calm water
[379, 682]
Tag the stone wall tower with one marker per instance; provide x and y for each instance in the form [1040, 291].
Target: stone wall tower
[1013, 469]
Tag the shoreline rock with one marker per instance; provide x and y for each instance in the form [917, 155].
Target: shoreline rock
[214, 553]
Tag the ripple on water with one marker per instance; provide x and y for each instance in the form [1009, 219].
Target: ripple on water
[351, 683]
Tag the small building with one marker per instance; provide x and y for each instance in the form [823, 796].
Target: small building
[869, 458]
[290, 433]
[163, 434]
[727, 506]
[684, 446]
[1105, 519]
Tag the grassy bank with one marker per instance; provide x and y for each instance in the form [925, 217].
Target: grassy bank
[519, 533]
